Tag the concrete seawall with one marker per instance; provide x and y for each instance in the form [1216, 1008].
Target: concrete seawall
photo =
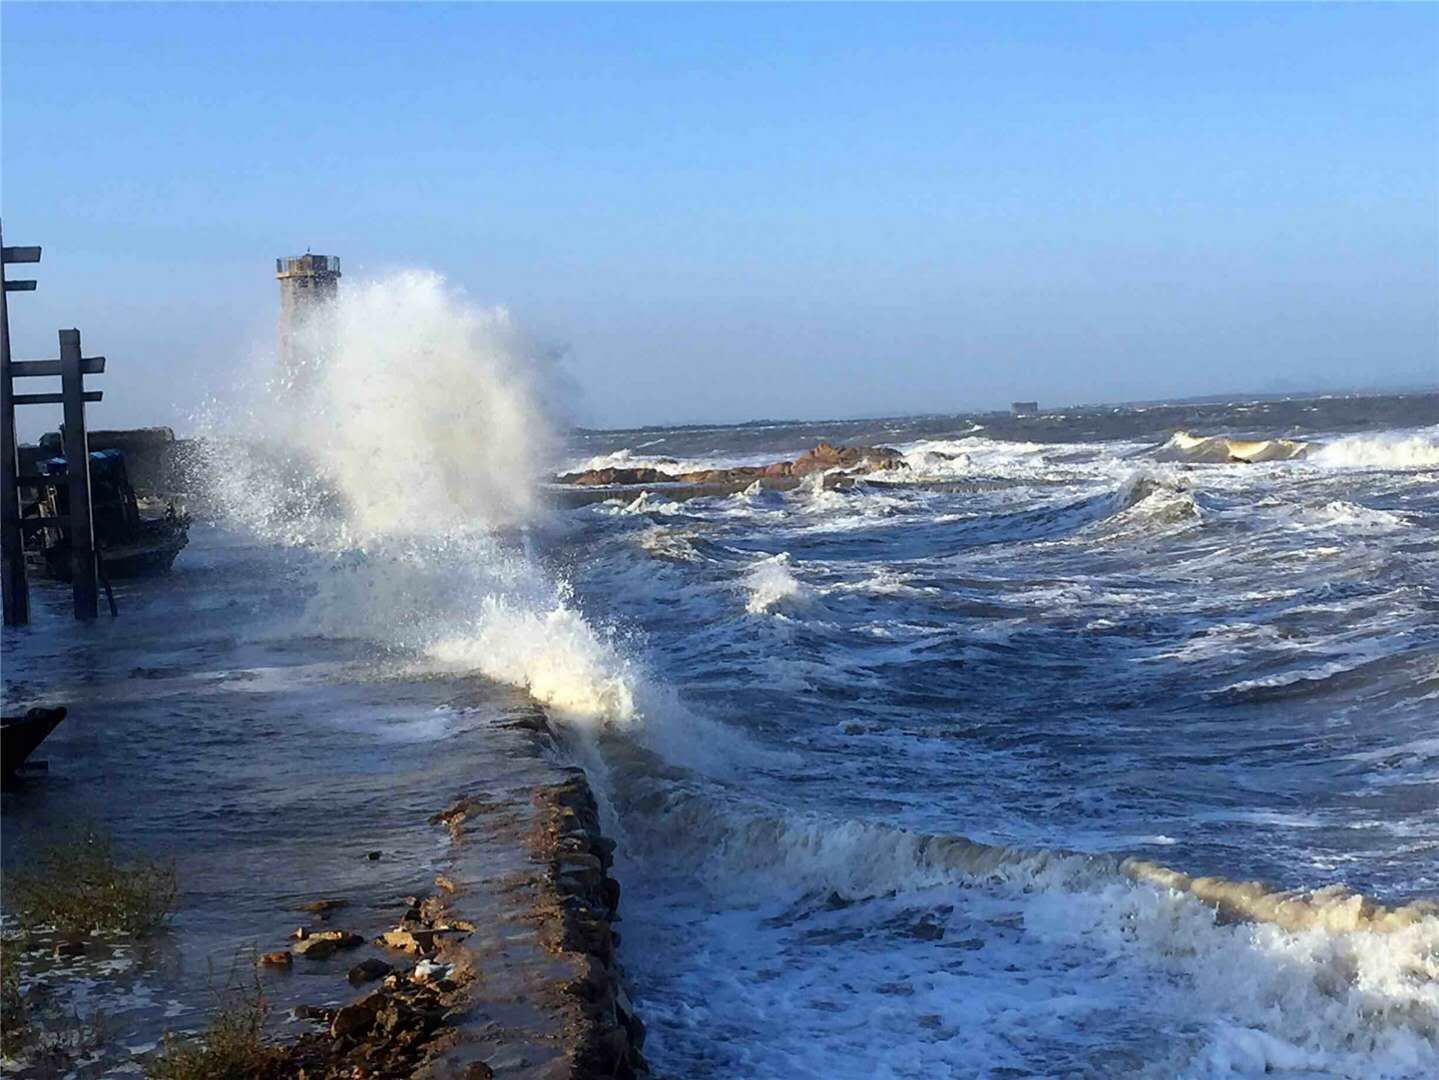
[508, 969]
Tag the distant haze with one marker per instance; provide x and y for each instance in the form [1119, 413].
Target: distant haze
[724, 212]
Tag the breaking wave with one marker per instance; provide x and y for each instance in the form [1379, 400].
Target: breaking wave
[1183, 446]
[1388, 451]
[1327, 978]
[771, 584]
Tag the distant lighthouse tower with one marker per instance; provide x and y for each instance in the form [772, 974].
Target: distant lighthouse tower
[308, 285]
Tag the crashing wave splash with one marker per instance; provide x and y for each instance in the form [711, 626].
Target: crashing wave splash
[396, 470]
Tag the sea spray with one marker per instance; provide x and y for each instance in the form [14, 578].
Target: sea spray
[427, 413]
[402, 465]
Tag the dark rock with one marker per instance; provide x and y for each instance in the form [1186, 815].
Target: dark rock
[368, 971]
[316, 948]
[324, 907]
[70, 948]
[319, 944]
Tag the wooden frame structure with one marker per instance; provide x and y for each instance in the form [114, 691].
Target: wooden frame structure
[72, 368]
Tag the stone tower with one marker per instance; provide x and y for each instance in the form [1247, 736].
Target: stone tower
[308, 283]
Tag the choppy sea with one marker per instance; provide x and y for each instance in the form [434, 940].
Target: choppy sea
[962, 770]
[911, 730]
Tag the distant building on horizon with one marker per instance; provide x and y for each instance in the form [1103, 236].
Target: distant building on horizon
[308, 284]
[1025, 408]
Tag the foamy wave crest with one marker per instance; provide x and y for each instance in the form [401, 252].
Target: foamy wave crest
[1221, 449]
[1151, 502]
[1335, 908]
[554, 654]
[771, 583]
[1392, 450]
[948, 458]
[1323, 980]
[865, 859]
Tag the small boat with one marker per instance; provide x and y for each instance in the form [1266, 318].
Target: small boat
[20, 735]
[126, 544]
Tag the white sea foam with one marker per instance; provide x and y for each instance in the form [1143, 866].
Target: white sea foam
[1323, 980]
[1387, 450]
[971, 455]
[771, 583]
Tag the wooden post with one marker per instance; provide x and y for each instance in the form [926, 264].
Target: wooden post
[83, 582]
[13, 584]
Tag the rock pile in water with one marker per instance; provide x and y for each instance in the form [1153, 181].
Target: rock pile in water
[852, 460]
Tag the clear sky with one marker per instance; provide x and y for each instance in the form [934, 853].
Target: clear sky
[730, 212]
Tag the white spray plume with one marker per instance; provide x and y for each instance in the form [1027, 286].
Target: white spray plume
[424, 412]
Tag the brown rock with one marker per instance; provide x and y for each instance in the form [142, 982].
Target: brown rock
[863, 458]
[415, 941]
[358, 1016]
[603, 477]
[281, 959]
[462, 808]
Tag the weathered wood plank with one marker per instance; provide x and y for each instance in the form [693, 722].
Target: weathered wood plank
[56, 399]
[24, 369]
[21, 254]
[85, 587]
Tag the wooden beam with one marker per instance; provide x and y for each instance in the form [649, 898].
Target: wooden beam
[20, 254]
[84, 586]
[24, 369]
[14, 587]
[55, 399]
[20, 286]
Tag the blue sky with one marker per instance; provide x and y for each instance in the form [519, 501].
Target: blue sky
[728, 212]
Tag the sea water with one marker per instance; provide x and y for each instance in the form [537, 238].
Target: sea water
[969, 709]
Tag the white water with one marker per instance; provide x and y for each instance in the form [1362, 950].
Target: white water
[417, 439]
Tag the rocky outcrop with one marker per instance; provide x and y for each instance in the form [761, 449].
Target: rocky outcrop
[851, 460]
[596, 477]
